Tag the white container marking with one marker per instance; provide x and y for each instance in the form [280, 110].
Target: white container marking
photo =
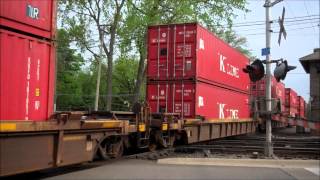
[28, 88]
[38, 70]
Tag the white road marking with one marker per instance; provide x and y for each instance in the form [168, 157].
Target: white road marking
[314, 170]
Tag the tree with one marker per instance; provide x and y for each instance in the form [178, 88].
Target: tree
[235, 41]
[141, 14]
[124, 77]
[83, 18]
[68, 68]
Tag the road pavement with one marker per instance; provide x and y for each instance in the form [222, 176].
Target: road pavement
[198, 169]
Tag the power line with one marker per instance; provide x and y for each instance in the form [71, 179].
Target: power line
[255, 23]
[293, 29]
[300, 23]
[305, 6]
[301, 28]
[296, 17]
[297, 20]
[286, 25]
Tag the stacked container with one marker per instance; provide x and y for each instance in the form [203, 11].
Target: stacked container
[258, 90]
[192, 72]
[27, 59]
[291, 103]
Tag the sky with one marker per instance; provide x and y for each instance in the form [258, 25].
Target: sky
[303, 29]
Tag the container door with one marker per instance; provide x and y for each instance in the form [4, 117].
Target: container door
[158, 96]
[24, 77]
[38, 78]
[158, 52]
[184, 51]
[183, 100]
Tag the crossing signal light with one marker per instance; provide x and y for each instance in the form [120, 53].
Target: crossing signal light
[255, 70]
[281, 70]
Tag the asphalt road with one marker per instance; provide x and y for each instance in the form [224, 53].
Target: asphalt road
[143, 169]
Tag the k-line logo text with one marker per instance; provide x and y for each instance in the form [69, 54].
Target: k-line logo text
[225, 113]
[227, 68]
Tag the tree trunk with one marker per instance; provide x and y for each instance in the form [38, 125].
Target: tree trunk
[139, 81]
[109, 82]
[96, 101]
[143, 51]
[113, 31]
[141, 70]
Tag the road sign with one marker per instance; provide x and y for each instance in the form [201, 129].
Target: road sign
[265, 51]
[282, 29]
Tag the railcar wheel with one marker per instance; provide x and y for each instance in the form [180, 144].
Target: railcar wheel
[115, 150]
[111, 147]
[152, 147]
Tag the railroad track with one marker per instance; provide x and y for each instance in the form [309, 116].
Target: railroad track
[284, 147]
[288, 147]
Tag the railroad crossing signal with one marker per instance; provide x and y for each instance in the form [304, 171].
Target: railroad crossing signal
[281, 70]
[255, 70]
[282, 29]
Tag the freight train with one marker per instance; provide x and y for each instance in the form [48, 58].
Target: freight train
[285, 103]
[196, 91]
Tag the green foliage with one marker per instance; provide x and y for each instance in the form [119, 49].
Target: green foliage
[124, 77]
[211, 14]
[68, 87]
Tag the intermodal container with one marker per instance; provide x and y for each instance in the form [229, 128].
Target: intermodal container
[291, 102]
[33, 17]
[191, 52]
[258, 89]
[280, 94]
[27, 77]
[301, 107]
[197, 99]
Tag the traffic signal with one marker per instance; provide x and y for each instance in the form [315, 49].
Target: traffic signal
[255, 70]
[281, 70]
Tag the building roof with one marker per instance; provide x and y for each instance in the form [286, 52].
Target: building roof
[306, 60]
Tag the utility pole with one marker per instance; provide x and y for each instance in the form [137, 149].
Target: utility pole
[268, 145]
[96, 102]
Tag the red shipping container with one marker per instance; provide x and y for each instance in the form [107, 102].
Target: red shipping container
[27, 77]
[190, 52]
[37, 17]
[199, 100]
[258, 89]
[291, 102]
[280, 94]
[301, 107]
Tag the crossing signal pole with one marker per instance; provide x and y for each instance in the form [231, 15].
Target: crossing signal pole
[268, 145]
[256, 70]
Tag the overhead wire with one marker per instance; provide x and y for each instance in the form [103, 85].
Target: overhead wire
[305, 6]
[289, 19]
